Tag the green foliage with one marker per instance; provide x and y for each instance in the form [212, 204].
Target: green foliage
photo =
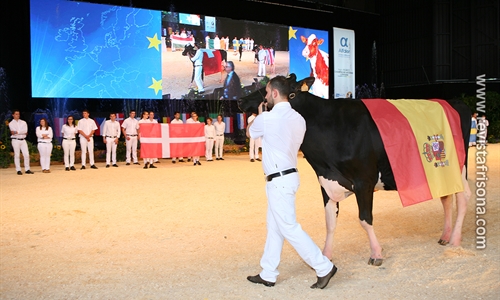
[228, 141]
[5, 145]
[57, 152]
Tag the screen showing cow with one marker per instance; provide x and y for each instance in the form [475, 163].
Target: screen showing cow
[84, 50]
[194, 57]
[309, 57]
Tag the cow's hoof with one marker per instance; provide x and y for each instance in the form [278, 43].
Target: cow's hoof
[375, 261]
[442, 242]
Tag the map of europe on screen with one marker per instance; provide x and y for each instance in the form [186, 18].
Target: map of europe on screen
[84, 50]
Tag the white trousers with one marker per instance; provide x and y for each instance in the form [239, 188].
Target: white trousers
[21, 146]
[219, 146]
[45, 149]
[282, 224]
[87, 145]
[69, 147]
[197, 78]
[110, 150]
[209, 148]
[254, 148]
[131, 148]
[262, 68]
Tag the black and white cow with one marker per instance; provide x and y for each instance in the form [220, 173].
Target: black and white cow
[345, 149]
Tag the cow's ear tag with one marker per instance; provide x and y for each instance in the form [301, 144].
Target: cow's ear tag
[291, 96]
[304, 87]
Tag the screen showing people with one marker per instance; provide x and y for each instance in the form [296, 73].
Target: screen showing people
[87, 50]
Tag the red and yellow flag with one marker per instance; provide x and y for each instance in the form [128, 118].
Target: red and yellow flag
[424, 145]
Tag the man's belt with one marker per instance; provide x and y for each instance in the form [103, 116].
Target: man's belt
[68, 139]
[131, 134]
[279, 174]
[17, 139]
[44, 142]
[113, 137]
[210, 138]
[220, 134]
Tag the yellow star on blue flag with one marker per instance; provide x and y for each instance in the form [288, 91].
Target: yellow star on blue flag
[154, 42]
[156, 85]
[291, 33]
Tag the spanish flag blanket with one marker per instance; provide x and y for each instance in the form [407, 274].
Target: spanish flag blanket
[424, 144]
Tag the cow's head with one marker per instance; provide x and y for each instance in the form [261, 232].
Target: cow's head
[312, 44]
[189, 49]
[251, 102]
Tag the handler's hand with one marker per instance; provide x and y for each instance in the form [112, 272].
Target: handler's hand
[262, 107]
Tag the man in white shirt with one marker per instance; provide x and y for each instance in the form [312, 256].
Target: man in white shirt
[282, 131]
[18, 131]
[129, 130]
[197, 60]
[86, 128]
[262, 61]
[110, 136]
[253, 144]
[220, 128]
[177, 120]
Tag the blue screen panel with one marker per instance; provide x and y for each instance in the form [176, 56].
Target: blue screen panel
[84, 50]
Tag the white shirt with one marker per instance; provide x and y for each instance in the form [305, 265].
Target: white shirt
[175, 121]
[262, 55]
[20, 126]
[219, 128]
[69, 132]
[154, 121]
[190, 120]
[209, 131]
[282, 131]
[197, 58]
[44, 131]
[86, 125]
[130, 125]
[111, 129]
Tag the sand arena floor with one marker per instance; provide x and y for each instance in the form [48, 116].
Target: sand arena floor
[185, 232]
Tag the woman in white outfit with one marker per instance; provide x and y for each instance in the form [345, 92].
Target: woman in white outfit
[209, 139]
[69, 132]
[44, 134]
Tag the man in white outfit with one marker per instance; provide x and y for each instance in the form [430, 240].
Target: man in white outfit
[177, 120]
[110, 136]
[220, 128]
[254, 144]
[262, 61]
[197, 60]
[86, 128]
[18, 131]
[129, 130]
[282, 131]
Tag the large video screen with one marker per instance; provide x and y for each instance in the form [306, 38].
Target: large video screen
[86, 50]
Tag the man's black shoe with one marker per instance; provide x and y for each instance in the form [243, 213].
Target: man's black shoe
[136, 163]
[151, 166]
[19, 173]
[115, 165]
[28, 172]
[93, 167]
[72, 168]
[257, 279]
[258, 159]
[198, 163]
[221, 158]
[127, 164]
[107, 166]
[173, 161]
[323, 281]
[67, 169]
[252, 160]
[181, 160]
[216, 158]
[189, 159]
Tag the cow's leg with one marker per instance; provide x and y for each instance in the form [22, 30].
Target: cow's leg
[456, 234]
[331, 214]
[364, 197]
[332, 193]
[447, 202]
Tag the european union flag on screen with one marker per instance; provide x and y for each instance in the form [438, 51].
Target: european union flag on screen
[86, 50]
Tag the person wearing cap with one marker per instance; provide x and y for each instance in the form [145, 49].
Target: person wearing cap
[232, 84]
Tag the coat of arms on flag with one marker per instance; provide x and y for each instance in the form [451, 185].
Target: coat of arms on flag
[172, 140]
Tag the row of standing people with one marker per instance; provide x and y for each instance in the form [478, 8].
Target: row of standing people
[130, 128]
